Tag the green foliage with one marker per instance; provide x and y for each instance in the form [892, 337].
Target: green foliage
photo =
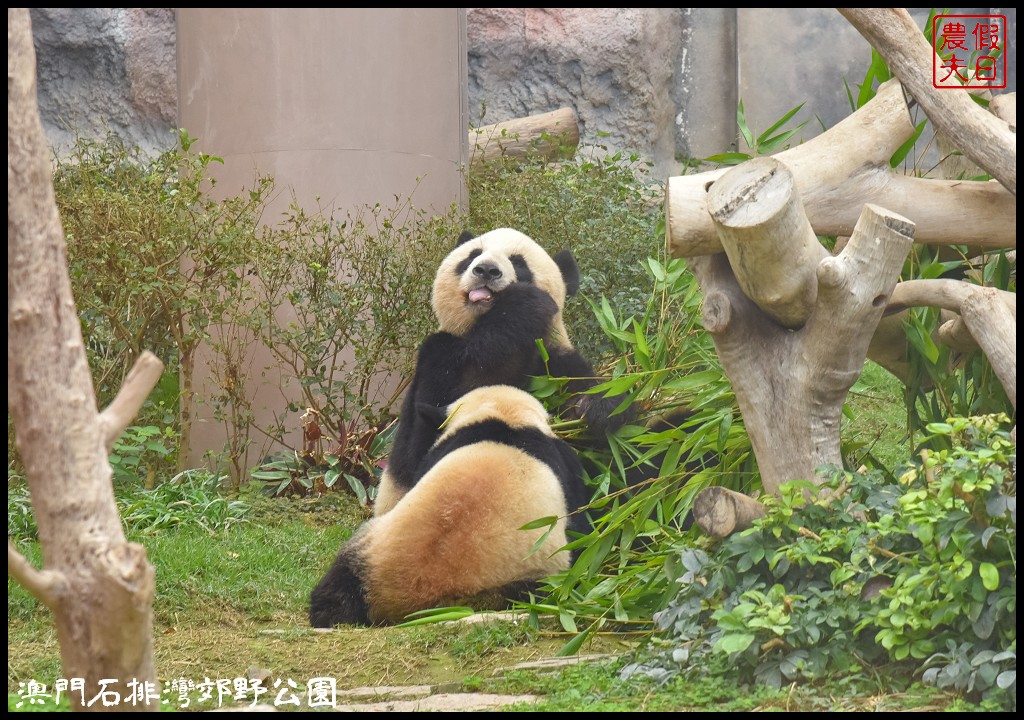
[191, 499]
[764, 144]
[356, 459]
[341, 302]
[38, 700]
[645, 480]
[917, 575]
[602, 206]
[155, 262]
[21, 521]
[141, 452]
[362, 283]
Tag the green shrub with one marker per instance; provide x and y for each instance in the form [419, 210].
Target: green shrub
[157, 263]
[917, 575]
[191, 499]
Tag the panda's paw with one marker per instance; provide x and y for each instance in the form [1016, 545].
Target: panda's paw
[598, 413]
[523, 302]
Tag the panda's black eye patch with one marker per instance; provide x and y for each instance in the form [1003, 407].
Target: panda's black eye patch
[523, 272]
[464, 265]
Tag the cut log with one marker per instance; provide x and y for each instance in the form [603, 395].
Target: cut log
[771, 247]
[547, 135]
[720, 512]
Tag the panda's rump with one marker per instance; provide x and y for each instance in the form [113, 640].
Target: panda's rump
[456, 533]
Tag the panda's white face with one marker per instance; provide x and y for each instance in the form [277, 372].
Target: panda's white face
[478, 269]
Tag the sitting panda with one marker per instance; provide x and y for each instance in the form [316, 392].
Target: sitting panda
[494, 296]
[496, 466]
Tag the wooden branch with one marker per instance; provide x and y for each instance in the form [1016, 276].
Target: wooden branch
[771, 247]
[853, 291]
[979, 135]
[994, 326]
[144, 376]
[943, 293]
[1004, 107]
[720, 511]
[888, 346]
[954, 333]
[104, 615]
[953, 165]
[46, 586]
[988, 319]
[791, 385]
[847, 166]
[546, 135]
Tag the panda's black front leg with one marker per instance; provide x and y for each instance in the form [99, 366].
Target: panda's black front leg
[596, 410]
[434, 383]
[501, 347]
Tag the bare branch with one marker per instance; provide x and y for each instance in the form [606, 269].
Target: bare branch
[1005, 107]
[46, 586]
[943, 293]
[980, 135]
[994, 326]
[144, 376]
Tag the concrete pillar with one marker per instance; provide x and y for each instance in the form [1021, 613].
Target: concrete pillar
[706, 93]
[351, 105]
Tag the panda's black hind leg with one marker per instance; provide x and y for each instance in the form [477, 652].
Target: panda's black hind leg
[339, 598]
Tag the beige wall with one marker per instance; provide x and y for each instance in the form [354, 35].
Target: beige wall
[352, 106]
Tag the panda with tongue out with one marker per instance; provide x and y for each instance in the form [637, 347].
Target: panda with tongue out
[494, 296]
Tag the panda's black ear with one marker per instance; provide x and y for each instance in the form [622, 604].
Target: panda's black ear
[570, 271]
[466, 236]
[432, 415]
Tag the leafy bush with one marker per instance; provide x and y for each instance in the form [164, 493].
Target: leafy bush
[356, 292]
[919, 575]
[21, 522]
[142, 451]
[158, 263]
[645, 479]
[155, 262]
[191, 499]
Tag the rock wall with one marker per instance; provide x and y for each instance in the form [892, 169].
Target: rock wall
[103, 69]
[662, 82]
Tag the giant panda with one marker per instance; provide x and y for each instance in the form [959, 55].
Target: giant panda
[494, 296]
[496, 466]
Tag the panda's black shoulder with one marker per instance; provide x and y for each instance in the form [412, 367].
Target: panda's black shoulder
[537, 444]
[529, 440]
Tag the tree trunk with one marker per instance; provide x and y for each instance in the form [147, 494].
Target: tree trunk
[547, 135]
[791, 384]
[99, 586]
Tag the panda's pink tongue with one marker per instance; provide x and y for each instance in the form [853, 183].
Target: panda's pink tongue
[479, 295]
